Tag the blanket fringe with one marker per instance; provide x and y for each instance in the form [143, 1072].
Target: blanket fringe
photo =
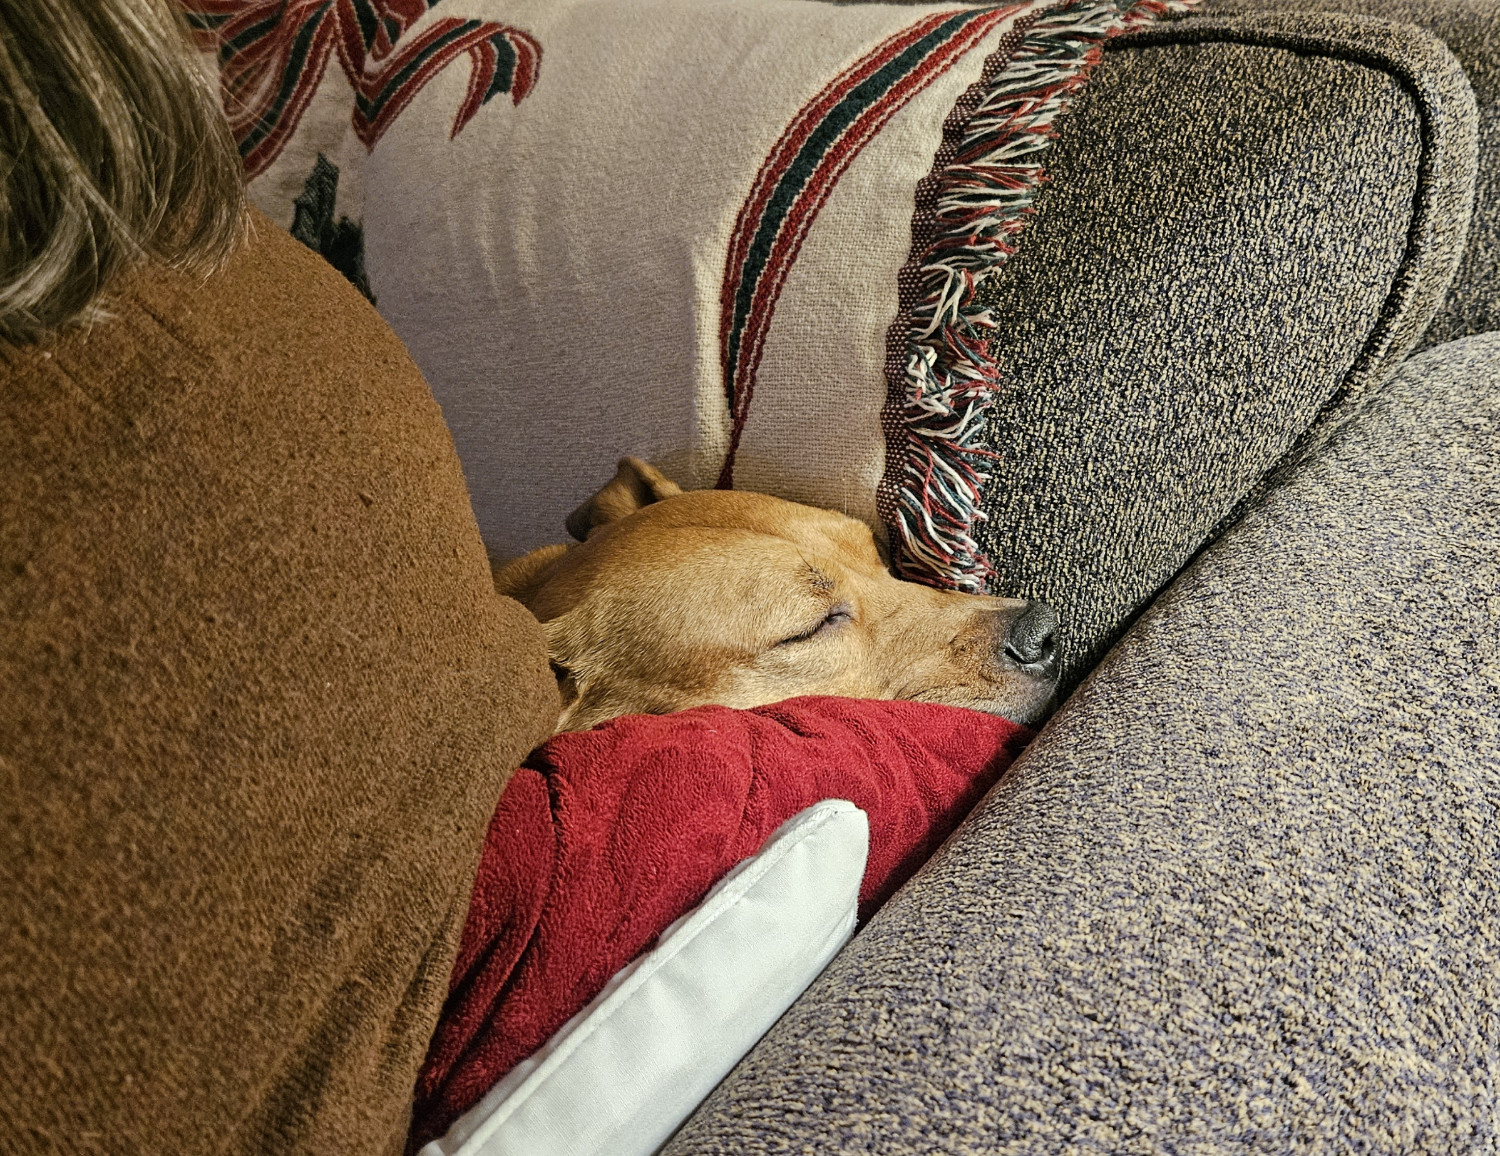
[942, 381]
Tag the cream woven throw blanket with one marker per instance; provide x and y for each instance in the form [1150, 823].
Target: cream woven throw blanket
[739, 238]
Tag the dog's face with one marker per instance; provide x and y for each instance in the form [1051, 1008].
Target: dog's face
[680, 599]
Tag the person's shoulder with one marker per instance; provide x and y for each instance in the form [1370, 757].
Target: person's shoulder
[274, 302]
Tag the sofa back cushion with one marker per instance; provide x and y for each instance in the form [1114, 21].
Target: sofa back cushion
[799, 248]
[1471, 30]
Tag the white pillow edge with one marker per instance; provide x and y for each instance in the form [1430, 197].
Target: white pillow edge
[470, 1133]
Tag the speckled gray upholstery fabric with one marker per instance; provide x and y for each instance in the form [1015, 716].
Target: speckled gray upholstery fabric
[1243, 893]
[1250, 220]
[1471, 29]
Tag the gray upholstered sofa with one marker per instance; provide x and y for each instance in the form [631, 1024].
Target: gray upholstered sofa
[1243, 892]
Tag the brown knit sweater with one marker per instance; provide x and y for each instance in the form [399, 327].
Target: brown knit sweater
[257, 701]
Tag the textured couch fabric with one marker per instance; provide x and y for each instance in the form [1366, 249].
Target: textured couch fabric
[257, 701]
[1243, 893]
[1471, 29]
[1250, 220]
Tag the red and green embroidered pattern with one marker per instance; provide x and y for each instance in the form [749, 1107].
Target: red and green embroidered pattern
[273, 53]
[800, 173]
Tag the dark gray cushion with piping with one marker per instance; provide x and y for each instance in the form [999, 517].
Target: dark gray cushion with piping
[1250, 221]
[1471, 30]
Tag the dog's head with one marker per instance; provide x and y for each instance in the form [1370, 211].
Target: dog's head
[679, 599]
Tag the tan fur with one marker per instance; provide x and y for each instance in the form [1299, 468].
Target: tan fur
[521, 578]
[680, 599]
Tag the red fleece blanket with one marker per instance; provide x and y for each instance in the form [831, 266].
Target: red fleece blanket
[605, 837]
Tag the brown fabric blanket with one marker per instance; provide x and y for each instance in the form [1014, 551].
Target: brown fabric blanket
[257, 702]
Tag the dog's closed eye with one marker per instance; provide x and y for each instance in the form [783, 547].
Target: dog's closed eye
[836, 617]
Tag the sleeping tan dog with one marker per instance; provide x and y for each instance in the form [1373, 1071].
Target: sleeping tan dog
[679, 599]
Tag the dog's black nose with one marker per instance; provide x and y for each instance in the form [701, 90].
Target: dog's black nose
[1032, 639]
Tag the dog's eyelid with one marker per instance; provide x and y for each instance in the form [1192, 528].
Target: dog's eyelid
[837, 615]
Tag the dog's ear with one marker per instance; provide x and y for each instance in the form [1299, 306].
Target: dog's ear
[635, 484]
[564, 653]
[521, 578]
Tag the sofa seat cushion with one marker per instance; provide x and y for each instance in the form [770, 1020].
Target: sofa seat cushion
[1243, 891]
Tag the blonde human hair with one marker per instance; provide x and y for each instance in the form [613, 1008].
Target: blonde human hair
[113, 151]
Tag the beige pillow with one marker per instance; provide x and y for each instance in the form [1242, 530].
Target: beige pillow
[687, 233]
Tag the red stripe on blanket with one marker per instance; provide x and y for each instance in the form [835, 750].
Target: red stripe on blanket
[273, 55]
[766, 211]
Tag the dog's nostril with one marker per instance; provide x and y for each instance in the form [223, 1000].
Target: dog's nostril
[1033, 635]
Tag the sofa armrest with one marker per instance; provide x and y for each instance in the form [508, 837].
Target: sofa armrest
[1244, 887]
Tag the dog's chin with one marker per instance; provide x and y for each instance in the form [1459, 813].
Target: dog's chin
[1029, 704]
[1031, 714]
[1045, 703]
